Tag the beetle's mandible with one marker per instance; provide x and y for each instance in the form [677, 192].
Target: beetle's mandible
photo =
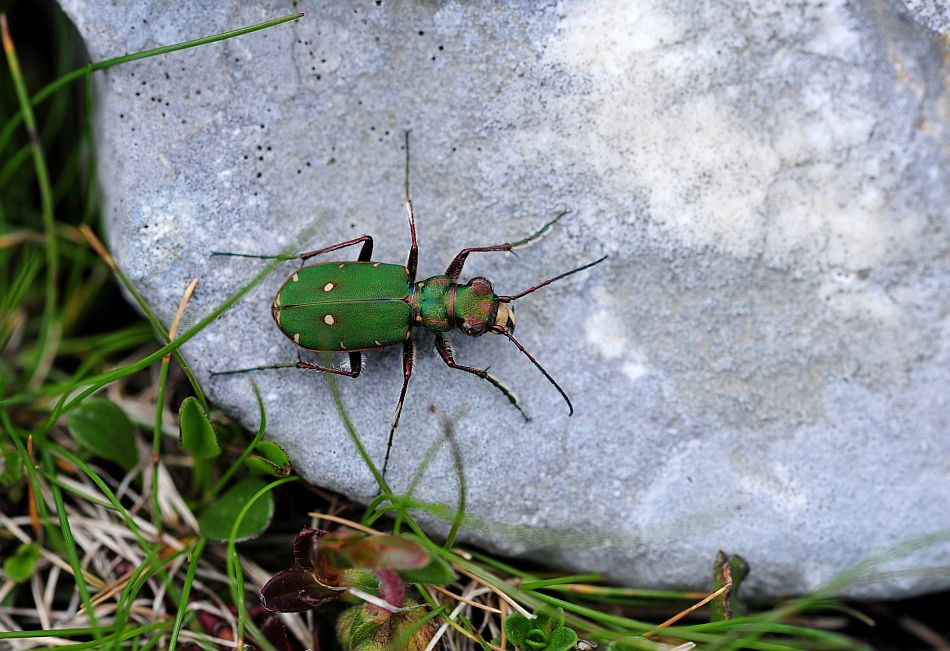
[346, 306]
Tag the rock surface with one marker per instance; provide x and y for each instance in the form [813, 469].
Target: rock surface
[761, 366]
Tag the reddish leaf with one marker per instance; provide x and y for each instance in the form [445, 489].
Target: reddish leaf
[391, 587]
[293, 591]
[386, 552]
[305, 546]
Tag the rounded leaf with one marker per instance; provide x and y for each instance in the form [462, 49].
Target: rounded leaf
[103, 428]
[196, 432]
[561, 639]
[293, 591]
[218, 517]
[517, 626]
[21, 565]
[269, 459]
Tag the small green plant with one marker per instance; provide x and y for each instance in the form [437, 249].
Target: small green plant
[545, 631]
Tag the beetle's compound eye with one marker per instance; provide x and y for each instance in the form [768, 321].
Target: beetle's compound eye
[474, 326]
[481, 286]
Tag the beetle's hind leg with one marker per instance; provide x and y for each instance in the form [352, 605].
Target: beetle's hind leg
[444, 347]
[356, 367]
[366, 252]
[408, 355]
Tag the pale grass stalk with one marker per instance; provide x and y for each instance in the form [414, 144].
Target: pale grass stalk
[157, 607]
[299, 627]
[466, 600]
[5, 588]
[42, 608]
[344, 522]
[206, 641]
[511, 602]
[171, 500]
[52, 580]
[503, 607]
[82, 490]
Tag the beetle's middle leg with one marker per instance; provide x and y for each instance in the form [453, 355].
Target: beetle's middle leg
[445, 351]
[366, 252]
[356, 367]
[455, 268]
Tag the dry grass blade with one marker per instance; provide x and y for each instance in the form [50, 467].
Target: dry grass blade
[699, 604]
[346, 523]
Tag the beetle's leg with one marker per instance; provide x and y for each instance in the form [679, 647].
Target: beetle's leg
[366, 253]
[444, 347]
[407, 358]
[455, 269]
[413, 259]
[356, 367]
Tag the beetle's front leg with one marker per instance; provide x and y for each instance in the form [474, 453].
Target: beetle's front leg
[455, 268]
[444, 347]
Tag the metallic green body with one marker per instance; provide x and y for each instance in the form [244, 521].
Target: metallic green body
[345, 306]
[352, 306]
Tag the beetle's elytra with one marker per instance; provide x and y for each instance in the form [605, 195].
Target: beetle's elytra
[352, 306]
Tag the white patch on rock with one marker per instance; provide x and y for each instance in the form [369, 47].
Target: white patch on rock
[711, 178]
[605, 332]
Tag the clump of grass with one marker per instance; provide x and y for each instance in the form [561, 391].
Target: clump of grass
[112, 534]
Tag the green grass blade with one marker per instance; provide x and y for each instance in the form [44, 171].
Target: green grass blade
[49, 329]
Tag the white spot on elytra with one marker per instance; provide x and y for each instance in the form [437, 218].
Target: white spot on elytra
[296, 277]
[328, 287]
[329, 320]
[376, 264]
[376, 341]
[296, 337]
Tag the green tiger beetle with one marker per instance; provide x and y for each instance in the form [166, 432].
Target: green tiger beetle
[364, 305]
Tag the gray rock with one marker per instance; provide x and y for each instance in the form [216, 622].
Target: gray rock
[761, 366]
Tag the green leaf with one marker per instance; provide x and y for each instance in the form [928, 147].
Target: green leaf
[216, 520]
[269, 459]
[197, 434]
[103, 428]
[517, 626]
[549, 617]
[22, 564]
[561, 639]
[437, 572]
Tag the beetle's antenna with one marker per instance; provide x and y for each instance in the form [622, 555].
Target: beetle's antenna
[508, 299]
[557, 386]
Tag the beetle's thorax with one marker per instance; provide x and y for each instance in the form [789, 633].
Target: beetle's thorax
[439, 304]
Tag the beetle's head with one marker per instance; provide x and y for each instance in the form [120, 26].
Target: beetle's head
[478, 310]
